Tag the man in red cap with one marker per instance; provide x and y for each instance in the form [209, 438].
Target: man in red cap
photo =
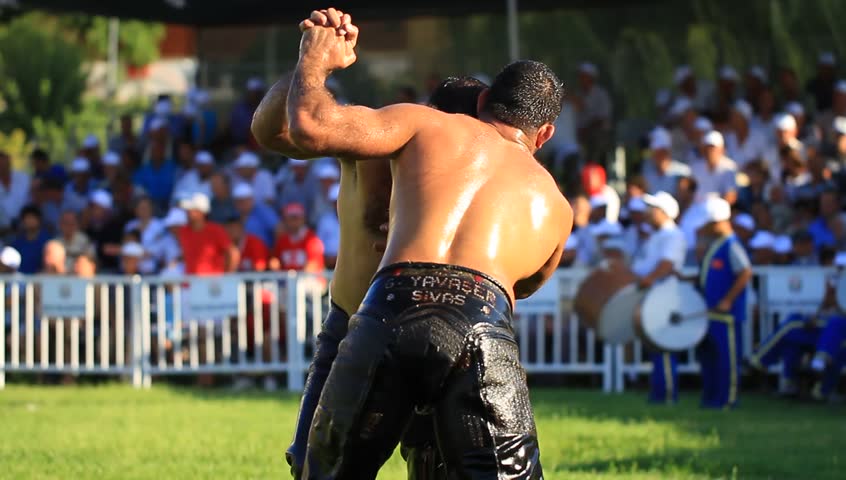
[297, 246]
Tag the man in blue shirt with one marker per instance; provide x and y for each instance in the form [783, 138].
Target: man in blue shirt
[30, 243]
[158, 175]
[259, 219]
[821, 228]
[724, 274]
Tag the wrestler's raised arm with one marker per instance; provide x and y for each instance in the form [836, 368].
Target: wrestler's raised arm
[318, 124]
[270, 122]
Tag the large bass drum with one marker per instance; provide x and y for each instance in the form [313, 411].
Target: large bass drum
[672, 316]
[606, 300]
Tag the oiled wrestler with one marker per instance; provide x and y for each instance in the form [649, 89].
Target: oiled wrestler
[475, 222]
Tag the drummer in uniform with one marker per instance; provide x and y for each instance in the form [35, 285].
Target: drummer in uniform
[662, 254]
[724, 274]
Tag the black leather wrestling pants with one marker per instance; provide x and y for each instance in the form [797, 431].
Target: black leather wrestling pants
[427, 338]
[418, 443]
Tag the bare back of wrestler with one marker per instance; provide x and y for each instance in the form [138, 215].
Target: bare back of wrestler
[362, 210]
[475, 222]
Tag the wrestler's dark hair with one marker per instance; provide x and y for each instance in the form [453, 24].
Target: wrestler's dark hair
[458, 95]
[526, 95]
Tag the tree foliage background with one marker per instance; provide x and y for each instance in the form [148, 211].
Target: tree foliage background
[44, 63]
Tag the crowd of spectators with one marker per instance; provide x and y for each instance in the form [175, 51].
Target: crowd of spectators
[185, 193]
[774, 150]
[180, 195]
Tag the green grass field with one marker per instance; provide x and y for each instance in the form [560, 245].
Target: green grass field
[115, 432]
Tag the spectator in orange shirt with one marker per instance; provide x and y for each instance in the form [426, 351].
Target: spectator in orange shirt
[297, 246]
[253, 252]
[206, 247]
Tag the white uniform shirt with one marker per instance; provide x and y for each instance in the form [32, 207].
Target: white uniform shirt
[721, 180]
[13, 198]
[666, 243]
[752, 149]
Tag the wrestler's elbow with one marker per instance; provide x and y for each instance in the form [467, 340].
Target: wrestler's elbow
[307, 133]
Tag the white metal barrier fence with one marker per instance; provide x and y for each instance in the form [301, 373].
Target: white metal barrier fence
[137, 328]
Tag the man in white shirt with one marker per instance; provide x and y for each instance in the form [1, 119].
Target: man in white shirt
[787, 136]
[14, 190]
[662, 255]
[198, 178]
[743, 144]
[662, 172]
[247, 170]
[716, 174]
[594, 117]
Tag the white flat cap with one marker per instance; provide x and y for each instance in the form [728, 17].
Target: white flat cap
[680, 106]
[762, 240]
[247, 160]
[101, 198]
[111, 159]
[840, 125]
[242, 190]
[204, 158]
[663, 201]
[132, 249]
[743, 108]
[713, 139]
[795, 108]
[10, 258]
[783, 244]
[703, 125]
[712, 209]
[660, 139]
[80, 165]
[91, 141]
[785, 121]
[744, 221]
[199, 201]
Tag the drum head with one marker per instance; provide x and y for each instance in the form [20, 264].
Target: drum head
[673, 316]
[841, 291]
[615, 320]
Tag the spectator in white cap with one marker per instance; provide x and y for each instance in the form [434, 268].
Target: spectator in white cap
[329, 228]
[242, 114]
[786, 137]
[204, 124]
[789, 87]
[327, 175]
[685, 82]
[207, 248]
[80, 186]
[294, 183]
[837, 154]
[661, 256]
[198, 179]
[754, 82]
[820, 87]
[765, 112]
[166, 252]
[724, 96]
[75, 241]
[14, 191]
[111, 168]
[743, 144]
[258, 217]
[10, 260]
[661, 171]
[761, 247]
[684, 135]
[148, 227]
[825, 119]
[105, 229]
[131, 256]
[807, 131]
[744, 227]
[783, 250]
[594, 114]
[248, 170]
[716, 174]
[91, 151]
